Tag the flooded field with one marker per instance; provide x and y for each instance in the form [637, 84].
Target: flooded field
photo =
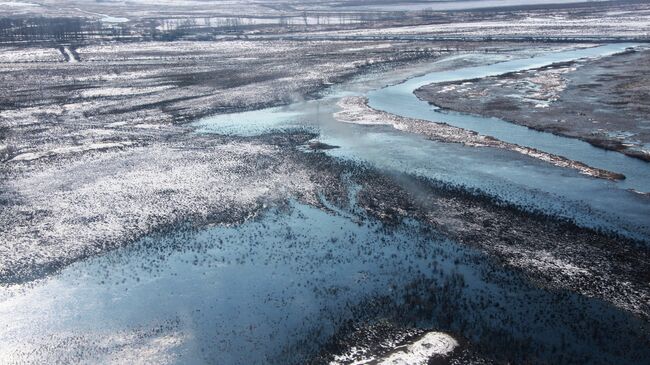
[290, 282]
[184, 182]
[503, 174]
[276, 289]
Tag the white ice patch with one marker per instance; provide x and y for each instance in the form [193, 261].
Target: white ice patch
[249, 123]
[122, 91]
[417, 353]
[17, 4]
[544, 261]
[30, 156]
[24, 54]
[71, 56]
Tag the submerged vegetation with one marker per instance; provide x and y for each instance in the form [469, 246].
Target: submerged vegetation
[233, 183]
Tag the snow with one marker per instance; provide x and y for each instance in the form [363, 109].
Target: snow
[17, 4]
[71, 56]
[124, 192]
[35, 54]
[454, 5]
[121, 91]
[419, 352]
[536, 25]
[105, 18]
[30, 156]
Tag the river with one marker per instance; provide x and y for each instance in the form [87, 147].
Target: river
[507, 175]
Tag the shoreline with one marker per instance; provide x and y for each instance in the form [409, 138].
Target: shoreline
[554, 98]
[356, 110]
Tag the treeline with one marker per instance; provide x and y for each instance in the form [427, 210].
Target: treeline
[25, 30]
[77, 29]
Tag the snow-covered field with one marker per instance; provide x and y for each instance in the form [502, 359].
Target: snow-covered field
[35, 54]
[117, 195]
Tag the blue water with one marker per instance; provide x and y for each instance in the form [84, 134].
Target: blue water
[275, 289]
[508, 175]
[399, 99]
[249, 123]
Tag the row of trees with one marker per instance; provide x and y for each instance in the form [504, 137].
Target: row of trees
[56, 29]
[69, 29]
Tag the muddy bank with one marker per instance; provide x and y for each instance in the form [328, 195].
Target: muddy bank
[356, 110]
[604, 102]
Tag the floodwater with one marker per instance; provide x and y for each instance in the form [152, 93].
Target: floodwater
[275, 289]
[507, 175]
[399, 99]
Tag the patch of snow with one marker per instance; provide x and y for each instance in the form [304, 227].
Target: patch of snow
[120, 193]
[30, 156]
[17, 4]
[419, 352]
[19, 55]
[116, 124]
[122, 91]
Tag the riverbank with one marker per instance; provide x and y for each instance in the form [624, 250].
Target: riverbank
[356, 110]
[604, 102]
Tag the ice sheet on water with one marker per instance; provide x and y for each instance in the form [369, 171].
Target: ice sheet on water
[249, 123]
